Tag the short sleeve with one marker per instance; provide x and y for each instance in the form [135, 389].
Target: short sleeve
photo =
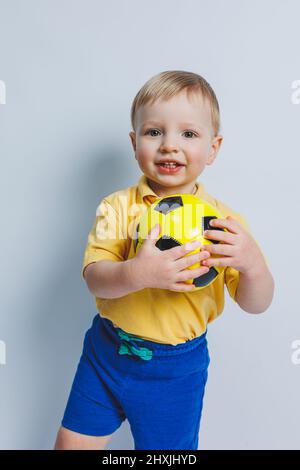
[106, 240]
[231, 274]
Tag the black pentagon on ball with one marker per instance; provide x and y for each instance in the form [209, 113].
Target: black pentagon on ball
[169, 204]
[135, 241]
[206, 278]
[206, 220]
[205, 226]
[165, 243]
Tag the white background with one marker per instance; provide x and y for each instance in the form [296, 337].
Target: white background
[71, 70]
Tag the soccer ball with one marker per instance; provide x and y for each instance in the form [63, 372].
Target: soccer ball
[182, 218]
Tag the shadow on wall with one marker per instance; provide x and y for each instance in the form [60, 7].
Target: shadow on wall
[64, 308]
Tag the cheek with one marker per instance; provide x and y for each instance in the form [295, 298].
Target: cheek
[197, 166]
[198, 155]
[145, 151]
[197, 158]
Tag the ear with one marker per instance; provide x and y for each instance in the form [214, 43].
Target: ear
[132, 136]
[215, 147]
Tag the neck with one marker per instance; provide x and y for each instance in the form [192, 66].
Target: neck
[189, 188]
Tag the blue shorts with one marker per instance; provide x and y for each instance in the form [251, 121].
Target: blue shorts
[158, 387]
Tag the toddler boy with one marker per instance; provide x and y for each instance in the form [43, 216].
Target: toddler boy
[145, 357]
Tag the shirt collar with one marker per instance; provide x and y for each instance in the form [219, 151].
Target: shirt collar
[147, 195]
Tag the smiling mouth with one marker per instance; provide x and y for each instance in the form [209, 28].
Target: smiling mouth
[169, 165]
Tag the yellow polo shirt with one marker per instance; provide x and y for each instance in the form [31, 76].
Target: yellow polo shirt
[158, 315]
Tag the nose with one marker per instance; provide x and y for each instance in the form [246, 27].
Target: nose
[168, 146]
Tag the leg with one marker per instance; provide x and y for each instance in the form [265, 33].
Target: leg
[165, 414]
[93, 412]
[70, 440]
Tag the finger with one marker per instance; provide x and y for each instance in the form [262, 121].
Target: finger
[183, 287]
[231, 224]
[219, 235]
[192, 273]
[181, 250]
[188, 260]
[218, 262]
[153, 234]
[219, 248]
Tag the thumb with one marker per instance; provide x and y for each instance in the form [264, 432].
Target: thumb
[154, 233]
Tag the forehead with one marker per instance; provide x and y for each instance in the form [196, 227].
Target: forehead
[190, 109]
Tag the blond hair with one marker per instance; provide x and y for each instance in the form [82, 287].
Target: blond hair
[170, 83]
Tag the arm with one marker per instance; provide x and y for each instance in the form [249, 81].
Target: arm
[111, 279]
[255, 290]
[256, 285]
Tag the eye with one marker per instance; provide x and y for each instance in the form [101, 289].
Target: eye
[151, 130]
[190, 132]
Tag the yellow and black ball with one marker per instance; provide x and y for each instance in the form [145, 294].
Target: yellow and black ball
[183, 218]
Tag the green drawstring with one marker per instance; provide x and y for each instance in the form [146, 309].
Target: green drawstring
[127, 348]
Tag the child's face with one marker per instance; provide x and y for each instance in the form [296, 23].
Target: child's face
[179, 129]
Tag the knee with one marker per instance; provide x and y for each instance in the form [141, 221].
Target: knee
[63, 439]
[71, 440]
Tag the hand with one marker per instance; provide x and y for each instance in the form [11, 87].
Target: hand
[240, 249]
[166, 269]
